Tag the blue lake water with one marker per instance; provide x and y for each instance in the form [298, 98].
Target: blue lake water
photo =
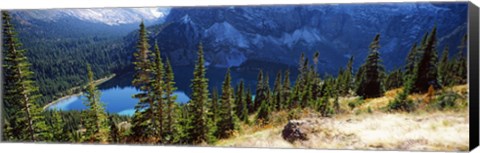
[117, 93]
[117, 100]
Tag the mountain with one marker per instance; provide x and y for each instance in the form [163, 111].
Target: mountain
[108, 16]
[233, 35]
[60, 42]
[57, 23]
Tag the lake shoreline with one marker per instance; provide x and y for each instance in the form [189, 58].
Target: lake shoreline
[97, 82]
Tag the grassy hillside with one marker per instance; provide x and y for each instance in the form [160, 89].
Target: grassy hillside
[370, 126]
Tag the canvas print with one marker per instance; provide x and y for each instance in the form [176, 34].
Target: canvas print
[370, 76]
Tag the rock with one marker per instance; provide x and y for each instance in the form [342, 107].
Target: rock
[124, 126]
[296, 130]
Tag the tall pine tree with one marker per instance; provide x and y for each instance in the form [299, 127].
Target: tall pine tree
[24, 118]
[278, 93]
[227, 119]
[170, 101]
[427, 66]
[158, 93]
[443, 68]
[370, 83]
[202, 129]
[96, 122]
[143, 122]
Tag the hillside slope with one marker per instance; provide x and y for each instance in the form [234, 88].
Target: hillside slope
[433, 130]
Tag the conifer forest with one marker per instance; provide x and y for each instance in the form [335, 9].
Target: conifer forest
[409, 96]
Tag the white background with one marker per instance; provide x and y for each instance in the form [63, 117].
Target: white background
[74, 148]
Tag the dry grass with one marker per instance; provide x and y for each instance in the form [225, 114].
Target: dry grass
[438, 131]
[420, 130]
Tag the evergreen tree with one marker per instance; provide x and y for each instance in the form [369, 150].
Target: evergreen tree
[267, 92]
[250, 102]
[286, 90]
[278, 93]
[214, 109]
[20, 93]
[201, 131]
[411, 60]
[158, 86]
[260, 91]
[442, 68]
[460, 64]
[114, 132]
[301, 61]
[401, 101]
[56, 126]
[427, 70]
[244, 115]
[263, 114]
[143, 122]
[394, 80]
[370, 83]
[347, 76]
[227, 122]
[183, 126]
[170, 101]
[316, 58]
[96, 118]
[239, 99]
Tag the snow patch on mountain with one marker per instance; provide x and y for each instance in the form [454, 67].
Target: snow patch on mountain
[109, 16]
[226, 33]
[309, 35]
[186, 19]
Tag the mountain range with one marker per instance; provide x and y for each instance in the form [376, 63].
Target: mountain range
[271, 33]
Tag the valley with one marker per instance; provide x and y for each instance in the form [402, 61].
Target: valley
[375, 76]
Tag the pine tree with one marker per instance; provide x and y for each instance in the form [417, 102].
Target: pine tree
[26, 122]
[6, 131]
[214, 109]
[158, 86]
[461, 63]
[278, 93]
[286, 90]
[201, 131]
[412, 59]
[267, 91]
[227, 122]
[316, 58]
[239, 99]
[183, 126]
[56, 126]
[263, 114]
[170, 101]
[250, 102]
[442, 68]
[96, 121]
[114, 132]
[143, 122]
[401, 101]
[260, 91]
[370, 83]
[427, 70]
[347, 76]
[301, 61]
[244, 115]
[394, 80]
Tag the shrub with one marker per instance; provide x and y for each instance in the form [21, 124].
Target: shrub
[401, 103]
[294, 114]
[446, 100]
[355, 103]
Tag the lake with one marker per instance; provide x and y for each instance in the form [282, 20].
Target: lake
[116, 93]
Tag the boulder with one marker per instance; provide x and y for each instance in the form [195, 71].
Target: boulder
[296, 130]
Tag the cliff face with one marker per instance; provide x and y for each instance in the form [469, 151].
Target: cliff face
[232, 35]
